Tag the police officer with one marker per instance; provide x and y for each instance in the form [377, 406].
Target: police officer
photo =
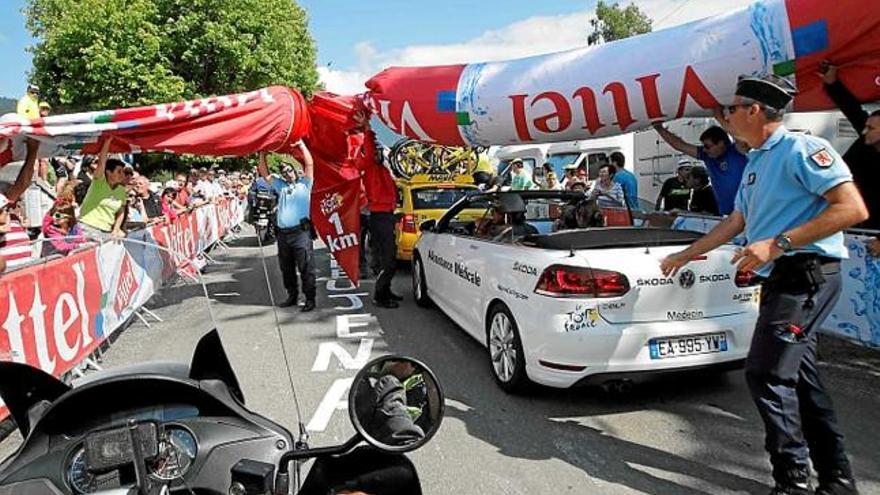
[795, 199]
[295, 251]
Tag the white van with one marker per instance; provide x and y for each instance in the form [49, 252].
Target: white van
[591, 153]
[532, 156]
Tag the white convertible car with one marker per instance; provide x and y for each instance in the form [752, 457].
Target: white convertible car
[565, 306]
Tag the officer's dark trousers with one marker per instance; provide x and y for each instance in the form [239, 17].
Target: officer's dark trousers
[295, 253]
[782, 374]
[382, 234]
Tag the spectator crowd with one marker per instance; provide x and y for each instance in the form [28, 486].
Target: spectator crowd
[98, 198]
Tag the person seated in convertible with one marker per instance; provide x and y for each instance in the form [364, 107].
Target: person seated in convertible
[513, 208]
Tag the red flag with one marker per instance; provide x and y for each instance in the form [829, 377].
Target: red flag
[337, 219]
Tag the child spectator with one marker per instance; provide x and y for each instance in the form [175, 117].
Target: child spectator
[61, 229]
[167, 204]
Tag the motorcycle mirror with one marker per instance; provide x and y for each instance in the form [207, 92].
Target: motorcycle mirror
[427, 225]
[396, 403]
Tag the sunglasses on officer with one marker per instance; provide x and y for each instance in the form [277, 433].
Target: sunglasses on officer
[746, 102]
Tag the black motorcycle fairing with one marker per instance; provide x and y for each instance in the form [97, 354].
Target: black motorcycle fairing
[204, 398]
[210, 362]
[22, 387]
[224, 428]
[160, 368]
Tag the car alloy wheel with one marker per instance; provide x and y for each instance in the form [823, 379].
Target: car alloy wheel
[419, 287]
[505, 350]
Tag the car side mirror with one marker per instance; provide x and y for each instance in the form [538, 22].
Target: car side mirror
[427, 225]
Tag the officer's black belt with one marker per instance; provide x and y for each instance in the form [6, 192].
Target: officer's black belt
[290, 230]
[825, 261]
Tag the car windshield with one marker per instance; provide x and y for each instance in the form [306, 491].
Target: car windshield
[561, 160]
[436, 198]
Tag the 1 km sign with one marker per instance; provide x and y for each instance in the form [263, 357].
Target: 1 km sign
[337, 219]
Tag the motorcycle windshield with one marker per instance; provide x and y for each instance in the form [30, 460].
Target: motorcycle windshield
[80, 309]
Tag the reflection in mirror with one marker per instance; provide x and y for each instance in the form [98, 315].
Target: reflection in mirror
[396, 403]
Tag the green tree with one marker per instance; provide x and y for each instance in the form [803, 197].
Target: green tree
[94, 54]
[614, 23]
[7, 105]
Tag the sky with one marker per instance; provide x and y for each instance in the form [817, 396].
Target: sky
[358, 38]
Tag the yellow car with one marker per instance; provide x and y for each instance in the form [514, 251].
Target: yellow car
[426, 197]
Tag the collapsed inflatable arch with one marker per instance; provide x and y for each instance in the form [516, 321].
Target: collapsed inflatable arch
[597, 91]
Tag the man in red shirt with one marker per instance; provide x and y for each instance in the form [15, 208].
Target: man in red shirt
[381, 194]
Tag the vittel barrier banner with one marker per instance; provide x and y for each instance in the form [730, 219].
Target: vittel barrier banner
[53, 315]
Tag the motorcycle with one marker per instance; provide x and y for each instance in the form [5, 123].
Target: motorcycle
[160, 428]
[263, 206]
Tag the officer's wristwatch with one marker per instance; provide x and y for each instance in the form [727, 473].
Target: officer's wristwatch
[783, 242]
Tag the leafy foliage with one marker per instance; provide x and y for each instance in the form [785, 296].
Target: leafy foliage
[614, 23]
[7, 105]
[95, 54]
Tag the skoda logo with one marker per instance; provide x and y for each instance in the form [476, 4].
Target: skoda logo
[686, 279]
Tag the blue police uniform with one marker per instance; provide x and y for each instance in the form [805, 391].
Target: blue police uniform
[293, 201]
[725, 174]
[782, 188]
[295, 250]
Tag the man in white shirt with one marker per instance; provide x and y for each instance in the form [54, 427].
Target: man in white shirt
[204, 187]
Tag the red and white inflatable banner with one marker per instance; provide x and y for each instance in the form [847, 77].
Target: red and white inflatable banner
[626, 85]
[53, 315]
[269, 119]
[336, 143]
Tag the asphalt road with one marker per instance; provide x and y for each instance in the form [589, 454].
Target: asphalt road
[683, 435]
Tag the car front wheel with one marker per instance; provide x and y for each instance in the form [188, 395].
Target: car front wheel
[506, 351]
[419, 286]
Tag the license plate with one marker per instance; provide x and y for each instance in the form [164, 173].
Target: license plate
[673, 347]
[263, 222]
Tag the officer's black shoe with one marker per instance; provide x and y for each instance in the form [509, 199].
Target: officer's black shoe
[308, 306]
[789, 489]
[386, 303]
[839, 483]
[394, 297]
[794, 482]
[290, 301]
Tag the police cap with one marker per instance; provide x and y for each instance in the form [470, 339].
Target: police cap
[772, 91]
